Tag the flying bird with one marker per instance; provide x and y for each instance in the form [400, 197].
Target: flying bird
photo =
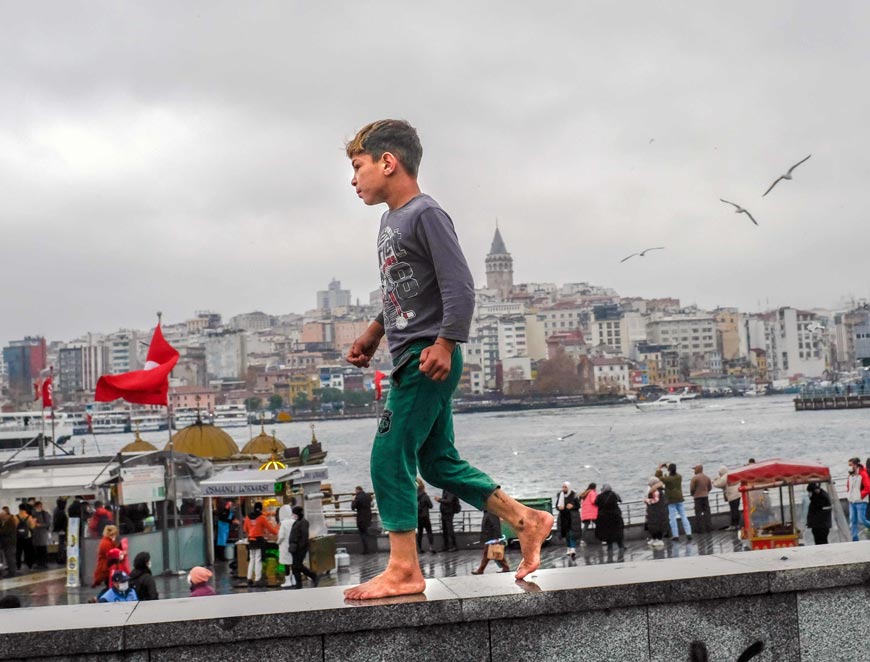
[785, 176]
[642, 253]
[563, 438]
[740, 210]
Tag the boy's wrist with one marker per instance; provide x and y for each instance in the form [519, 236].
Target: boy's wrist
[446, 344]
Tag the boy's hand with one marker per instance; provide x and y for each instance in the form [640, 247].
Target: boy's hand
[364, 347]
[435, 360]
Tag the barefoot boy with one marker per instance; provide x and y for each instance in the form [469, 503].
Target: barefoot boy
[428, 299]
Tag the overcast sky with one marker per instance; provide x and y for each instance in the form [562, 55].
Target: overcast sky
[186, 156]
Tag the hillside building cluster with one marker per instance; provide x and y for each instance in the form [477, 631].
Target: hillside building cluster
[526, 338]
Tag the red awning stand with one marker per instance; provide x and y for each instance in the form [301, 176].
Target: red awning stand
[779, 471]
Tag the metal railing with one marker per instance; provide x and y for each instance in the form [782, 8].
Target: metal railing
[340, 518]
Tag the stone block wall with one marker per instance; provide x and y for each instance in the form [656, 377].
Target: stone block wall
[805, 604]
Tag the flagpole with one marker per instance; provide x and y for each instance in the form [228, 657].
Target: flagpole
[173, 489]
[51, 404]
[42, 434]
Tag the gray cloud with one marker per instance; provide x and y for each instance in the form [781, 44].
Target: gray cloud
[181, 156]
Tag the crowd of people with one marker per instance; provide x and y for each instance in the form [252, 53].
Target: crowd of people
[591, 516]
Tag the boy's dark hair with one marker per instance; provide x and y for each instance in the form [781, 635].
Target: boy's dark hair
[672, 468]
[397, 137]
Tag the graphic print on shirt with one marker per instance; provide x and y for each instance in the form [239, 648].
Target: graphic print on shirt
[397, 280]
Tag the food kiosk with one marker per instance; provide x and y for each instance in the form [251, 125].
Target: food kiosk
[773, 515]
[276, 487]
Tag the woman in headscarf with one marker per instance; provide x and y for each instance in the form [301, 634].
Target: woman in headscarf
[657, 523]
[588, 511]
[609, 525]
[568, 506]
[285, 524]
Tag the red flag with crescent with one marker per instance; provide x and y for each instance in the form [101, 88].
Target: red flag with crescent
[149, 386]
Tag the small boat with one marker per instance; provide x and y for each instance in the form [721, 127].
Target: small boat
[669, 401]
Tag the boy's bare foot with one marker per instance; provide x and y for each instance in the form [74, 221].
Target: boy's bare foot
[532, 530]
[395, 580]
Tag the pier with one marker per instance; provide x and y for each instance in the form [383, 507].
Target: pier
[817, 400]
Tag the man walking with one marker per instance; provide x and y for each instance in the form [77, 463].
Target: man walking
[700, 487]
[673, 483]
[362, 506]
[857, 489]
[449, 506]
[41, 533]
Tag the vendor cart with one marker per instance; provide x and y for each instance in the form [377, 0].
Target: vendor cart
[273, 487]
[772, 494]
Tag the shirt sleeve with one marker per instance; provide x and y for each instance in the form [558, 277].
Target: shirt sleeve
[438, 236]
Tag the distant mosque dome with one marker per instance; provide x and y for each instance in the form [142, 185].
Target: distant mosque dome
[204, 440]
[139, 445]
[263, 444]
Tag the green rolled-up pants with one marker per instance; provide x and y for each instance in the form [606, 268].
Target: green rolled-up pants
[416, 432]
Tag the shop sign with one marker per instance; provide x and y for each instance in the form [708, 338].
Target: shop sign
[142, 485]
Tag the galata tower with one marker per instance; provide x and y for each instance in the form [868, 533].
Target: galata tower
[499, 267]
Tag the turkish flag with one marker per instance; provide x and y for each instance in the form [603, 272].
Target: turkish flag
[144, 387]
[46, 393]
[379, 391]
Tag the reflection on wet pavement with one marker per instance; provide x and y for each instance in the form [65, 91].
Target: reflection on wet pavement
[48, 587]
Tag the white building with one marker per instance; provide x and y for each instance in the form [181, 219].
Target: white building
[611, 375]
[255, 321]
[333, 297]
[124, 353]
[795, 342]
[226, 355]
[511, 336]
[562, 317]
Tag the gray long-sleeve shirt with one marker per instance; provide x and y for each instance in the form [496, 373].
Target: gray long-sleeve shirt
[426, 285]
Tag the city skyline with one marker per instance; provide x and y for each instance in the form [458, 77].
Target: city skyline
[189, 157]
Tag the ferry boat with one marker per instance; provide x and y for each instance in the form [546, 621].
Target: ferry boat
[230, 416]
[670, 401]
[19, 427]
[113, 421]
[184, 416]
[147, 421]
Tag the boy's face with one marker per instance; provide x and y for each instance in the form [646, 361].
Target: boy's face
[369, 178]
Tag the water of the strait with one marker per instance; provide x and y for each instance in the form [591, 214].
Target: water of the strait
[623, 446]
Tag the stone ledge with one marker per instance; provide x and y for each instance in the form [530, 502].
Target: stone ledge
[184, 624]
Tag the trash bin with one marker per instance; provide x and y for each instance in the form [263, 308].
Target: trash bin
[539, 503]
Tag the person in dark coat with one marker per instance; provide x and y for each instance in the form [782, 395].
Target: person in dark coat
[609, 525]
[424, 505]
[362, 506]
[59, 522]
[490, 531]
[448, 506]
[141, 578]
[8, 539]
[657, 524]
[568, 505]
[299, 548]
[819, 513]
[24, 538]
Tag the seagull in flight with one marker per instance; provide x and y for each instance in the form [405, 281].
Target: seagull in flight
[642, 253]
[785, 176]
[740, 210]
[563, 438]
